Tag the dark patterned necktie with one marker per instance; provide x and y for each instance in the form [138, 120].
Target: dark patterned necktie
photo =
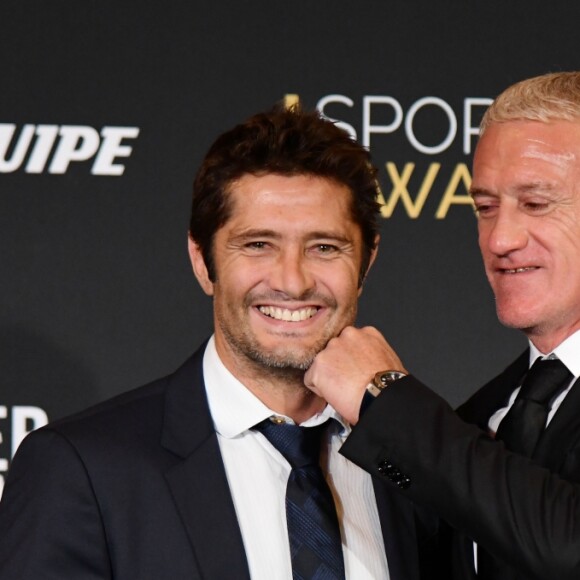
[313, 529]
[521, 430]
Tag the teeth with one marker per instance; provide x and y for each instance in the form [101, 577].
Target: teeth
[288, 315]
[519, 270]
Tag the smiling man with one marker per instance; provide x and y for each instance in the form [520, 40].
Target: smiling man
[287, 267]
[526, 192]
[229, 468]
[511, 484]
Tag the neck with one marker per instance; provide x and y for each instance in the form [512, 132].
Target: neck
[296, 402]
[545, 341]
[280, 389]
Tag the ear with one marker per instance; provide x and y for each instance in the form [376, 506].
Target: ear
[373, 256]
[199, 267]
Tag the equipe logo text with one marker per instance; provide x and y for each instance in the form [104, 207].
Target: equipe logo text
[52, 148]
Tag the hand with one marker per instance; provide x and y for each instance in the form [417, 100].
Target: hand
[341, 372]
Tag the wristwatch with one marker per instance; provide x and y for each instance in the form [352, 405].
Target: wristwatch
[382, 380]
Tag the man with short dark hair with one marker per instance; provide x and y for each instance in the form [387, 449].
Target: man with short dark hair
[229, 468]
[511, 483]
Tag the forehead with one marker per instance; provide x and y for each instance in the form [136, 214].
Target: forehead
[527, 150]
[294, 199]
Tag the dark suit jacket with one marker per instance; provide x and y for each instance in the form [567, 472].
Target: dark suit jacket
[525, 514]
[135, 489]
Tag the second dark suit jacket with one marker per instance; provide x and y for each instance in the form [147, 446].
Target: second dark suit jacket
[525, 514]
[135, 489]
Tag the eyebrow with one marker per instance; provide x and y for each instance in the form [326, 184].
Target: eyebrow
[473, 191]
[539, 186]
[255, 233]
[271, 234]
[329, 236]
[532, 187]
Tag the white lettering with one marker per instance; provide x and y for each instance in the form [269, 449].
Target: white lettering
[7, 131]
[3, 415]
[368, 129]
[21, 416]
[394, 122]
[66, 143]
[450, 134]
[111, 148]
[337, 99]
[468, 129]
[77, 143]
[46, 136]
[3, 462]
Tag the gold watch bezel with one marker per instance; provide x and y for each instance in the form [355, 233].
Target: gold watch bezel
[383, 379]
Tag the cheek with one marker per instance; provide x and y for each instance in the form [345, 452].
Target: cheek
[238, 276]
[486, 254]
[573, 244]
[483, 236]
[560, 232]
[346, 289]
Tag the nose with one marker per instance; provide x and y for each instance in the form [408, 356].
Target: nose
[503, 234]
[291, 274]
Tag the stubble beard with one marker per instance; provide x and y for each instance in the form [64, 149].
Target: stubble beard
[288, 364]
[283, 363]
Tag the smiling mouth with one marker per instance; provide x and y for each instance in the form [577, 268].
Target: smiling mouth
[288, 315]
[519, 270]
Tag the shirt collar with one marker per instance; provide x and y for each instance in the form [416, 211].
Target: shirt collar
[568, 352]
[235, 409]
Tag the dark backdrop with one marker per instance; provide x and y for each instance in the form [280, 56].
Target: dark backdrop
[106, 109]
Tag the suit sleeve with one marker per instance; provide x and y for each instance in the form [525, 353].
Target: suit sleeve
[50, 525]
[523, 513]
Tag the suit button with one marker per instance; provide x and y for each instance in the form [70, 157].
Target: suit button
[392, 473]
[404, 482]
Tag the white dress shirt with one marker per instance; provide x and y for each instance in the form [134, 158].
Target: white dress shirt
[257, 475]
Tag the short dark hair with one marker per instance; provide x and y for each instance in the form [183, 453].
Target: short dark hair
[284, 141]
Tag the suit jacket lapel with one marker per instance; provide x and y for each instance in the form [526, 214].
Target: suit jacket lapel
[495, 394]
[199, 484]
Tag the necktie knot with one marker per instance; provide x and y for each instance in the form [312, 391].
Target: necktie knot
[300, 446]
[524, 423]
[545, 379]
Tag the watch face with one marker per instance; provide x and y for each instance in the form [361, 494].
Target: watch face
[387, 377]
[382, 380]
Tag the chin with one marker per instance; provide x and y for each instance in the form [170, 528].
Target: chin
[284, 359]
[522, 321]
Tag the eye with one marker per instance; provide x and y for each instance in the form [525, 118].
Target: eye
[485, 204]
[326, 248]
[484, 209]
[256, 245]
[535, 207]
